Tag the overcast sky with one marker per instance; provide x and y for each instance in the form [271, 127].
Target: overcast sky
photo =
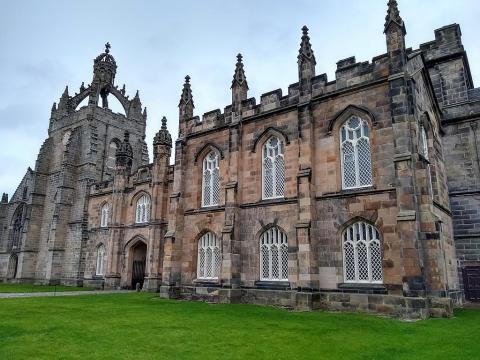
[45, 45]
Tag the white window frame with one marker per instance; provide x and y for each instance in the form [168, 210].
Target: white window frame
[354, 142]
[142, 212]
[100, 263]
[211, 167]
[280, 153]
[104, 215]
[208, 266]
[353, 236]
[274, 245]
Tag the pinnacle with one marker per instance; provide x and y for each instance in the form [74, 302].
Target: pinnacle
[164, 123]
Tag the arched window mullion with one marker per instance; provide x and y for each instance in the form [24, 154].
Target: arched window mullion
[209, 257]
[363, 239]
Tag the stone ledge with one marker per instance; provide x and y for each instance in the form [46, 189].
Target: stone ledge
[395, 306]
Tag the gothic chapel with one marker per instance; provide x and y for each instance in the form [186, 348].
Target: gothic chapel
[360, 193]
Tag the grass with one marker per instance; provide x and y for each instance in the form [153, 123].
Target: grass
[26, 288]
[142, 326]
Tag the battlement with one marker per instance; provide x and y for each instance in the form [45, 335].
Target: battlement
[349, 74]
[448, 41]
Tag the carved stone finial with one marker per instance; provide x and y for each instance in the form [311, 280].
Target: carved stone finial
[239, 77]
[306, 51]
[393, 16]
[186, 97]
[107, 47]
[163, 137]
[4, 198]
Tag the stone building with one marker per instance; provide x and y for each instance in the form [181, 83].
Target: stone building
[361, 193]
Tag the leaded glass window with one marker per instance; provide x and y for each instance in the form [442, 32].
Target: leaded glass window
[211, 180]
[143, 209]
[209, 257]
[362, 255]
[104, 215]
[274, 255]
[273, 169]
[355, 154]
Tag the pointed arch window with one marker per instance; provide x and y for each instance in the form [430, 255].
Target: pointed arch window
[100, 267]
[104, 215]
[211, 180]
[209, 257]
[362, 255]
[355, 154]
[274, 255]
[273, 169]
[142, 214]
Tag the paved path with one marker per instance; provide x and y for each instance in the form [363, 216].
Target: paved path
[62, 293]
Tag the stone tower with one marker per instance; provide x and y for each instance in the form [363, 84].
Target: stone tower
[80, 149]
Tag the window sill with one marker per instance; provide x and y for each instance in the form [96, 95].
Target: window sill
[272, 285]
[271, 202]
[374, 288]
[206, 282]
[205, 209]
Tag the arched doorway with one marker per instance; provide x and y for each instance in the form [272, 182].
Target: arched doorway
[139, 259]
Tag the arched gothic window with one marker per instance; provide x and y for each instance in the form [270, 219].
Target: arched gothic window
[355, 154]
[209, 257]
[143, 210]
[211, 180]
[104, 215]
[362, 255]
[12, 267]
[423, 142]
[100, 268]
[273, 169]
[274, 255]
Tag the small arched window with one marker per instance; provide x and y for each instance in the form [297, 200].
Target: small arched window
[211, 180]
[362, 255]
[273, 255]
[273, 169]
[143, 210]
[423, 142]
[355, 154]
[100, 268]
[104, 215]
[209, 257]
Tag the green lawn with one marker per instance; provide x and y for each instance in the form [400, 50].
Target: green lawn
[26, 288]
[142, 326]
